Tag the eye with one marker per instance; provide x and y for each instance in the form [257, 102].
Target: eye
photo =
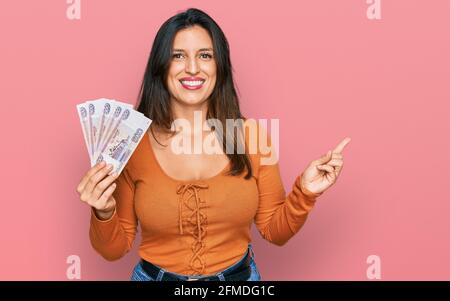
[177, 55]
[206, 56]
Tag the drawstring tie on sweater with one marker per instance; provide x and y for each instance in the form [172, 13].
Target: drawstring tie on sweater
[197, 218]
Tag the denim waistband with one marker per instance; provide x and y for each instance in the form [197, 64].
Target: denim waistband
[218, 274]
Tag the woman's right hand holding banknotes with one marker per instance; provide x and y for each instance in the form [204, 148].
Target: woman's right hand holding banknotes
[96, 189]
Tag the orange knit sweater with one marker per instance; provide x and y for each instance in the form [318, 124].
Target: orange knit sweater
[197, 227]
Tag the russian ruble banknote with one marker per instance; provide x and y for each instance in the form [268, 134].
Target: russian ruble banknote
[111, 130]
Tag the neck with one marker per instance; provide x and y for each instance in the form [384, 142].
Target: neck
[194, 115]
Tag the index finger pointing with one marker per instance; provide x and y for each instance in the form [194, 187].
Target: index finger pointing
[338, 149]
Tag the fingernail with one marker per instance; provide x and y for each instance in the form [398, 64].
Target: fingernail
[110, 166]
[114, 174]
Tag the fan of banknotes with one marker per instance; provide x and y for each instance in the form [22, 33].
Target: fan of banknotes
[111, 130]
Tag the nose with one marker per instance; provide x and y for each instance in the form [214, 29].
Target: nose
[192, 66]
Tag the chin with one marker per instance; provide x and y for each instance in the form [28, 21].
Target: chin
[189, 100]
[192, 102]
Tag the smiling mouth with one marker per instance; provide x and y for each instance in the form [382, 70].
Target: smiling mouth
[192, 84]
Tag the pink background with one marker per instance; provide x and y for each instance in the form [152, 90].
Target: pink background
[322, 67]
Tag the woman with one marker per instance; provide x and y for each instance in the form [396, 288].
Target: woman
[195, 210]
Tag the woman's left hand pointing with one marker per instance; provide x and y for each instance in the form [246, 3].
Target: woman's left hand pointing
[322, 173]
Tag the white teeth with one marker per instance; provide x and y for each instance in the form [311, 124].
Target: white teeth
[192, 83]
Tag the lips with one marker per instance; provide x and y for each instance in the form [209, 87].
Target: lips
[192, 82]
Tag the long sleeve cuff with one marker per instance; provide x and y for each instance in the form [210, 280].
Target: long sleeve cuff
[104, 229]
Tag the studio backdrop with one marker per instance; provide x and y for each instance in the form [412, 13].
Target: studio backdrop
[375, 71]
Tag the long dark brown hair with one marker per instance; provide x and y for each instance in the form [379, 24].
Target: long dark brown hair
[223, 104]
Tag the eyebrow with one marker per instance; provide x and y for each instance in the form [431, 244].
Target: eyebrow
[202, 49]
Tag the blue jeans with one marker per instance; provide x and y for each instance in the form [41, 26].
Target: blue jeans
[140, 275]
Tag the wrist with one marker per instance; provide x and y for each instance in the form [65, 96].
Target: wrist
[306, 191]
[103, 215]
